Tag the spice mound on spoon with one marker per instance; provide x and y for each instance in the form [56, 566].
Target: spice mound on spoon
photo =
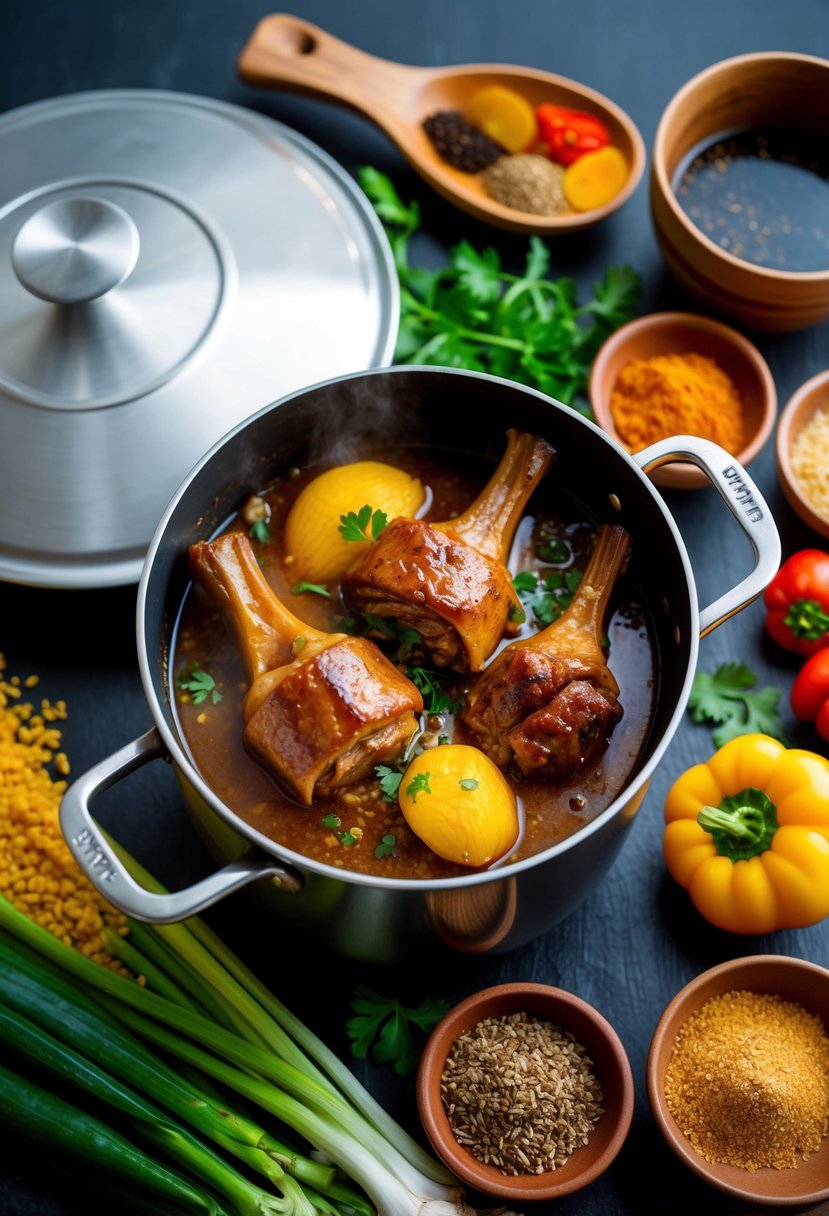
[285, 52]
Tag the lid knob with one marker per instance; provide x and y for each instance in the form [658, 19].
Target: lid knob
[75, 249]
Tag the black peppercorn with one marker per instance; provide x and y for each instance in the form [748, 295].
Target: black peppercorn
[459, 143]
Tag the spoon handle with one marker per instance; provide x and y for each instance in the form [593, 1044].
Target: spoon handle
[285, 52]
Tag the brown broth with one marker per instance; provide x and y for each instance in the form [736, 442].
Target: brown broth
[550, 811]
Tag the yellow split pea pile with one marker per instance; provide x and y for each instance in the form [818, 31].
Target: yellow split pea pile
[38, 873]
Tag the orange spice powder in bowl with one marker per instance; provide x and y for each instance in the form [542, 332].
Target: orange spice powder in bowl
[675, 373]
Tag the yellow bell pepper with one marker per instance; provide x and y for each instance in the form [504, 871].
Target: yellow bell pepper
[747, 833]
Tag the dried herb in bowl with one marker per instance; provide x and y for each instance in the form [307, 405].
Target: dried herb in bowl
[520, 1093]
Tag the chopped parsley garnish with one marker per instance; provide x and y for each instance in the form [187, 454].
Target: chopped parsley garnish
[260, 531]
[355, 525]
[554, 550]
[436, 699]
[331, 821]
[390, 779]
[317, 589]
[727, 700]
[547, 596]
[347, 838]
[386, 847]
[468, 783]
[419, 784]
[382, 1028]
[391, 628]
[199, 683]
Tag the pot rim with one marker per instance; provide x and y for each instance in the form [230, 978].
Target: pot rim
[186, 768]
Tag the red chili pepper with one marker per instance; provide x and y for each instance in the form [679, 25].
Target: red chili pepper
[810, 692]
[797, 600]
[570, 133]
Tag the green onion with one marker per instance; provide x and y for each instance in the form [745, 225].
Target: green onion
[217, 1030]
[77, 1136]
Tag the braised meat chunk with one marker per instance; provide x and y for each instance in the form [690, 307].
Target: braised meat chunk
[448, 581]
[549, 703]
[322, 708]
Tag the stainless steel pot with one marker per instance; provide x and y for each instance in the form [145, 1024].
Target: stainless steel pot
[362, 915]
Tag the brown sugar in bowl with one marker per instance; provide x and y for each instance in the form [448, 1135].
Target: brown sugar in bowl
[798, 411]
[663, 333]
[792, 979]
[610, 1065]
[774, 89]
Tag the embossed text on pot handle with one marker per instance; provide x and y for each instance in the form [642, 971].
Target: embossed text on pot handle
[105, 870]
[746, 504]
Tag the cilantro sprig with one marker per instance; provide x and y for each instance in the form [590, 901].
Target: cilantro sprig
[365, 524]
[473, 314]
[390, 779]
[316, 588]
[728, 700]
[390, 628]
[382, 1028]
[419, 784]
[436, 698]
[547, 596]
[199, 683]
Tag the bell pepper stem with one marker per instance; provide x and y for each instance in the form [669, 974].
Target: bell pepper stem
[743, 825]
[806, 619]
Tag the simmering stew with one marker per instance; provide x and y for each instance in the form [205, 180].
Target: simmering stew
[434, 673]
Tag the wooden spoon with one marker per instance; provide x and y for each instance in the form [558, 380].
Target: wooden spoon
[287, 53]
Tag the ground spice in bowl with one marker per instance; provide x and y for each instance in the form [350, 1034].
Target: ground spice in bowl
[520, 1093]
[810, 461]
[748, 1081]
[676, 394]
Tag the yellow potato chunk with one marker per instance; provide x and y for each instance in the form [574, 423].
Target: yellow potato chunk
[460, 804]
[312, 535]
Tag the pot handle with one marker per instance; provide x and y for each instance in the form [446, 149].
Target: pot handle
[746, 504]
[105, 870]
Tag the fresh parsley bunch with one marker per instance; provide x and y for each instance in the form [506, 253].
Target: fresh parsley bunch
[472, 314]
[730, 701]
[382, 1028]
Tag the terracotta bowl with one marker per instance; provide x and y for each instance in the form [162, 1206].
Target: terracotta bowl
[662, 333]
[612, 1070]
[794, 980]
[800, 409]
[775, 89]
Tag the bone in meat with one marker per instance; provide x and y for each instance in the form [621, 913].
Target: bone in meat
[449, 581]
[548, 703]
[318, 714]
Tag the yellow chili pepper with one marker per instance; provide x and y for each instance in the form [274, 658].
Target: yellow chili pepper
[747, 833]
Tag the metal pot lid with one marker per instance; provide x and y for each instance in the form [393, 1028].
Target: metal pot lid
[169, 264]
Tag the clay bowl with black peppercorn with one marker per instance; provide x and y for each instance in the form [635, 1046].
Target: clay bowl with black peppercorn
[661, 334]
[738, 175]
[577, 1116]
[285, 52]
[759, 1068]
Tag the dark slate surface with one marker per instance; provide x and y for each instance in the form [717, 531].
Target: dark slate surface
[636, 940]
